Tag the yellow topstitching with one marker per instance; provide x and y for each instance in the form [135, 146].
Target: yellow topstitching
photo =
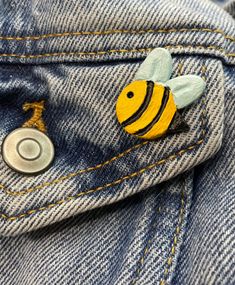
[175, 239]
[108, 32]
[122, 51]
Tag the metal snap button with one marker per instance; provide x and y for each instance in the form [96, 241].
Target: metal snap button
[28, 151]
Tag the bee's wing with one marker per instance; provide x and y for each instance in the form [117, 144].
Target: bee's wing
[186, 89]
[157, 66]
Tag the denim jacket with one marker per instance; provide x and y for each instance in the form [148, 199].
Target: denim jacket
[112, 208]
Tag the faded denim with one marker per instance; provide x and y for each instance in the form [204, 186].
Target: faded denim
[114, 209]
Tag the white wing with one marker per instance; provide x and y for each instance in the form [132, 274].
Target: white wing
[157, 66]
[186, 89]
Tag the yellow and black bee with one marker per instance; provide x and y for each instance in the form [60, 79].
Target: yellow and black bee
[147, 107]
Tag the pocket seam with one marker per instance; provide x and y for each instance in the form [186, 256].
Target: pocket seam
[174, 243]
[175, 240]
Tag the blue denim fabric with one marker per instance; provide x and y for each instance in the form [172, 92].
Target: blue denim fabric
[221, 2]
[113, 209]
[208, 249]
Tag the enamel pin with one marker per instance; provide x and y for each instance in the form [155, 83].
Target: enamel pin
[147, 107]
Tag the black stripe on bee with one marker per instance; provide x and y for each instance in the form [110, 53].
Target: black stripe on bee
[165, 98]
[143, 107]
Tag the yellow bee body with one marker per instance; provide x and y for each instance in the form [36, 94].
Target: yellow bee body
[146, 109]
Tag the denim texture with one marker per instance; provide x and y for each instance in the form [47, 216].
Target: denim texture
[109, 245]
[221, 2]
[208, 250]
[59, 227]
[80, 91]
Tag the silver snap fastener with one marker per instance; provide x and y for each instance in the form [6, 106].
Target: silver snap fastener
[28, 151]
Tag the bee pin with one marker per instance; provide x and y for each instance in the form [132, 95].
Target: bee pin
[147, 107]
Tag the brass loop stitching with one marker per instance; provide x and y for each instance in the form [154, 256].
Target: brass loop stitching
[36, 120]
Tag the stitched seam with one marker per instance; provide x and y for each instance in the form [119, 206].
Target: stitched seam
[65, 34]
[144, 255]
[175, 239]
[114, 51]
[116, 182]
[173, 248]
[71, 175]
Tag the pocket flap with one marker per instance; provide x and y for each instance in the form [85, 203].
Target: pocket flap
[96, 161]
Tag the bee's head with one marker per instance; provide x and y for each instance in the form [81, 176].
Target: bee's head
[130, 100]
